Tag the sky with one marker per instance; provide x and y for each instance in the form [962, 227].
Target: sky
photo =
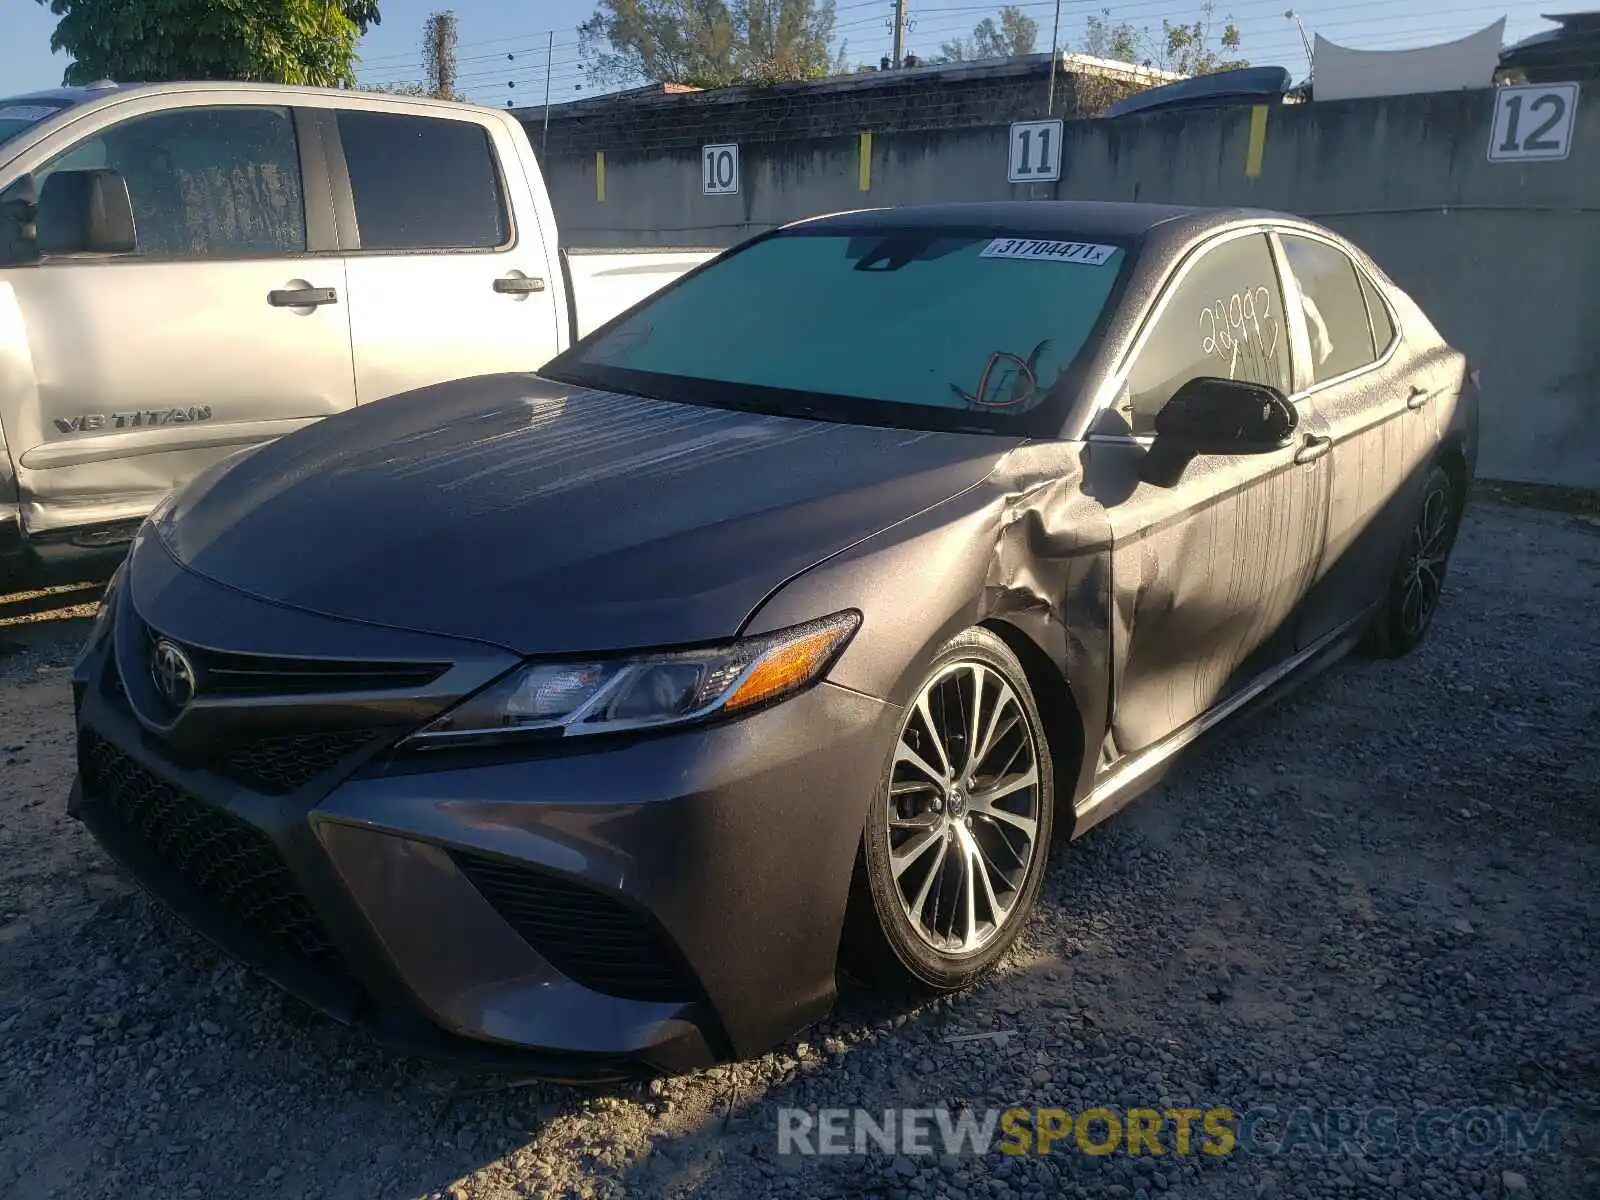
[504, 46]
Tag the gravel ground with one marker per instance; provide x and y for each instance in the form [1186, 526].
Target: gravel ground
[1380, 894]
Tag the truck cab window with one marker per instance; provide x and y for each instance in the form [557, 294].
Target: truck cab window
[204, 182]
[423, 183]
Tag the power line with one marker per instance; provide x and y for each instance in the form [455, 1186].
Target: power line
[565, 69]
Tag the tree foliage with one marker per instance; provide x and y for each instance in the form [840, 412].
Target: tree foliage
[709, 43]
[278, 41]
[1016, 34]
[1187, 49]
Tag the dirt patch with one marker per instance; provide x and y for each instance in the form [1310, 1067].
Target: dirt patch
[1379, 896]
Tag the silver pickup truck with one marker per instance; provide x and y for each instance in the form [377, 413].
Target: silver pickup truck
[190, 268]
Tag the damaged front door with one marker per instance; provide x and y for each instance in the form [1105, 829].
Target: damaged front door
[1212, 554]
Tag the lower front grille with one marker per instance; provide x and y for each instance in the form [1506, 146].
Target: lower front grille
[592, 938]
[278, 765]
[231, 864]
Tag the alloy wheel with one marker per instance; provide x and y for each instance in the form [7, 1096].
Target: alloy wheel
[963, 808]
[1427, 553]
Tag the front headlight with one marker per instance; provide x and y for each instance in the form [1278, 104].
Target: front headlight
[643, 691]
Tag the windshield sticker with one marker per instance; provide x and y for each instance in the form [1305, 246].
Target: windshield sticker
[1078, 252]
[27, 112]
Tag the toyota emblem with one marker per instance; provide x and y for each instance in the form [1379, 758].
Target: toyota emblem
[172, 673]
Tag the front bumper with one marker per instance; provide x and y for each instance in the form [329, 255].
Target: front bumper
[650, 906]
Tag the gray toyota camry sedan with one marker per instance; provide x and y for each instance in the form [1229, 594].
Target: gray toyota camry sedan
[602, 717]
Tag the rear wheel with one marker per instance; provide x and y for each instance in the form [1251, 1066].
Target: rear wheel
[958, 835]
[1418, 579]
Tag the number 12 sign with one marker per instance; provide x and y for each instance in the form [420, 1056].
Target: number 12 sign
[1533, 123]
[1035, 152]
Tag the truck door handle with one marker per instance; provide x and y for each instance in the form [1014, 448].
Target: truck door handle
[306, 297]
[1418, 397]
[1313, 448]
[518, 285]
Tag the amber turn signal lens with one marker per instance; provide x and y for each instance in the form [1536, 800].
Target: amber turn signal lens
[789, 666]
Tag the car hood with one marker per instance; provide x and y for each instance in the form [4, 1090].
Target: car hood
[547, 518]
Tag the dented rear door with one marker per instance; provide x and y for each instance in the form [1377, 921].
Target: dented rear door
[125, 375]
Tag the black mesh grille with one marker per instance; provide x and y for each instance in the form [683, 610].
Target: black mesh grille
[230, 863]
[280, 764]
[593, 939]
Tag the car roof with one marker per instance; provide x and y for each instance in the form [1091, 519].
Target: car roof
[71, 95]
[1082, 218]
[106, 89]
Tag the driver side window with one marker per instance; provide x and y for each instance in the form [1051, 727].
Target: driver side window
[204, 183]
[1224, 318]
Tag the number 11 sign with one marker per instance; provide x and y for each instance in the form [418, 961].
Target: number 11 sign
[1035, 152]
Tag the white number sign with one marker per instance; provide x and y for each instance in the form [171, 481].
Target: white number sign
[719, 170]
[1533, 123]
[1035, 152]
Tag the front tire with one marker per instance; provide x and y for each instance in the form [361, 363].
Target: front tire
[958, 835]
[1418, 580]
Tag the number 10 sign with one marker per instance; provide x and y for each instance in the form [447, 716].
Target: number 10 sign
[719, 170]
[1035, 152]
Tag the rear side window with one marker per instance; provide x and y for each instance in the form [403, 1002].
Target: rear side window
[1382, 323]
[1334, 308]
[423, 183]
[1224, 319]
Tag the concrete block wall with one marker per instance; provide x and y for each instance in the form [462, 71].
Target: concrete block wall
[1505, 257]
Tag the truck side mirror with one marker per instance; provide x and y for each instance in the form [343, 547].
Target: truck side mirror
[19, 204]
[85, 212]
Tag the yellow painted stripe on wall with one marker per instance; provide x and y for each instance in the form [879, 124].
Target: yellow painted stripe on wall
[864, 162]
[600, 176]
[1258, 141]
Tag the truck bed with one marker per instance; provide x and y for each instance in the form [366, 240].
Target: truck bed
[605, 282]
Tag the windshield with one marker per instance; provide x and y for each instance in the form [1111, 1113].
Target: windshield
[920, 328]
[17, 115]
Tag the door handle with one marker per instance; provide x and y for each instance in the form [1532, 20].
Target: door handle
[306, 297]
[518, 285]
[1418, 397]
[1313, 448]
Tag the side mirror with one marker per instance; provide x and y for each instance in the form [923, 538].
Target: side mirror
[1226, 416]
[85, 212]
[19, 204]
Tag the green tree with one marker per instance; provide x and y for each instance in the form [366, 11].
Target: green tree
[1015, 34]
[1185, 48]
[278, 41]
[1120, 41]
[709, 43]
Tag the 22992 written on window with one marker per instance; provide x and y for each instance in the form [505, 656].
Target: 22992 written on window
[1224, 319]
[204, 182]
[423, 183]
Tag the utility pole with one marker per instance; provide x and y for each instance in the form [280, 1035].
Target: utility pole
[549, 54]
[439, 54]
[1055, 58]
[898, 57]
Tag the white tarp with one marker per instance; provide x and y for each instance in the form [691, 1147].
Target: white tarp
[1340, 73]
